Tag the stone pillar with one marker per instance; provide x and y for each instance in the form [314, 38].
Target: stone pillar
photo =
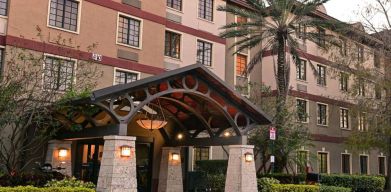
[170, 176]
[52, 156]
[241, 175]
[117, 173]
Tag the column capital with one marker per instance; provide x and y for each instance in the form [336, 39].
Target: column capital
[117, 137]
[242, 146]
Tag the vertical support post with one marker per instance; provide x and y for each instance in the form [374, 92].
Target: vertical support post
[241, 174]
[61, 162]
[117, 172]
[170, 176]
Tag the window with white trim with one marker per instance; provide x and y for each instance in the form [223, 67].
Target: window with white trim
[362, 122]
[205, 9]
[204, 53]
[345, 163]
[323, 162]
[382, 165]
[64, 14]
[172, 45]
[4, 7]
[364, 164]
[123, 77]
[58, 73]
[321, 75]
[344, 118]
[175, 4]
[343, 81]
[129, 31]
[301, 69]
[322, 114]
[302, 160]
[301, 108]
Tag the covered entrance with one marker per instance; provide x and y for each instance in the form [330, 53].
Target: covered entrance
[200, 110]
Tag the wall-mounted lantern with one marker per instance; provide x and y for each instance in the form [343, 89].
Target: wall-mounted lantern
[248, 157]
[179, 136]
[62, 152]
[126, 151]
[175, 157]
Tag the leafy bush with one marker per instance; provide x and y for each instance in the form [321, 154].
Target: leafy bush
[70, 182]
[265, 184]
[214, 167]
[324, 188]
[294, 188]
[34, 179]
[286, 178]
[215, 183]
[45, 189]
[358, 183]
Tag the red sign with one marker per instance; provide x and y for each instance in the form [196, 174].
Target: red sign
[272, 133]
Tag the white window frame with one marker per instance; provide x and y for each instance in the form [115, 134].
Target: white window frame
[325, 76]
[173, 9]
[125, 70]
[385, 163]
[62, 29]
[305, 72]
[62, 58]
[350, 162]
[365, 124]
[213, 12]
[349, 122]
[307, 110]
[181, 44]
[328, 161]
[212, 53]
[359, 163]
[141, 31]
[308, 158]
[327, 114]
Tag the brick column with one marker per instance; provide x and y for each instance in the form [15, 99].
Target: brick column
[52, 156]
[170, 176]
[117, 173]
[241, 175]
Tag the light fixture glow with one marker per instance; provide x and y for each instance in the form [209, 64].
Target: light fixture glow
[249, 157]
[151, 124]
[175, 156]
[153, 118]
[126, 151]
[227, 134]
[62, 152]
[179, 136]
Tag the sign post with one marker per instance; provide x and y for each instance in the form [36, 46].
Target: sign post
[272, 137]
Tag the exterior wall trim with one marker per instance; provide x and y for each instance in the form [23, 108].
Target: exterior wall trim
[115, 69]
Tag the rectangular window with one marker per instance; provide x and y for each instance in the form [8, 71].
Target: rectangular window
[301, 69]
[345, 160]
[364, 164]
[343, 81]
[123, 77]
[241, 64]
[361, 87]
[64, 14]
[204, 53]
[362, 122]
[175, 4]
[129, 31]
[321, 38]
[1, 61]
[321, 73]
[323, 162]
[205, 9]
[376, 60]
[201, 153]
[301, 107]
[172, 47]
[382, 165]
[240, 19]
[58, 73]
[344, 118]
[378, 92]
[301, 31]
[344, 46]
[302, 160]
[4, 7]
[322, 114]
[360, 53]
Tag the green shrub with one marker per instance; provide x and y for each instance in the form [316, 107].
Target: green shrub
[70, 182]
[286, 178]
[215, 182]
[45, 189]
[32, 179]
[294, 188]
[324, 188]
[358, 183]
[265, 184]
[214, 167]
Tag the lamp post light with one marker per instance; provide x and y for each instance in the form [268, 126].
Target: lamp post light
[249, 157]
[62, 152]
[175, 157]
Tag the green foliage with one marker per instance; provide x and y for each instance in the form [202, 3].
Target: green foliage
[215, 182]
[265, 184]
[34, 179]
[45, 189]
[324, 188]
[294, 188]
[212, 166]
[70, 182]
[358, 183]
[285, 178]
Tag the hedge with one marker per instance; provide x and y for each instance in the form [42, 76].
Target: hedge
[45, 189]
[214, 167]
[306, 188]
[358, 183]
[324, 188]
[286, 178]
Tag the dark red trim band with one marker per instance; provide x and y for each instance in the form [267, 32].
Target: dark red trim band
[157, 19]
[77, 54]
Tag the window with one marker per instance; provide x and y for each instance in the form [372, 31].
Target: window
[240, 19]
[204, 53]
[301, 107]
[241, 64]
[322, 114]
[129, 31]
[1, 61]
[64, 14]
[343, 81]
[301, 69]
[172, 47]
[302, 160]
[344, 46]
[361, 87]
[321, 72]
[360, 53]
[4, 7]
[382, 165]
[321, 38]
[362, 122]
[201, 153]
[205, 9]
[345, 160]
[301, 31]
[378, 92]
[123, 77]
[344, 118]
[175, 4]
[376, 60]
[364, 164]
[58, 73]
[323, 162]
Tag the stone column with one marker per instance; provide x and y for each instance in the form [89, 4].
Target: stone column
[170, 176]
[52, 156]
[241, 175]
[117, 173]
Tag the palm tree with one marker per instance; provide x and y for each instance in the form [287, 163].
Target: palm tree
[274, 25]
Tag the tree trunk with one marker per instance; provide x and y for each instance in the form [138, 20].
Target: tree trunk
[388, 181]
